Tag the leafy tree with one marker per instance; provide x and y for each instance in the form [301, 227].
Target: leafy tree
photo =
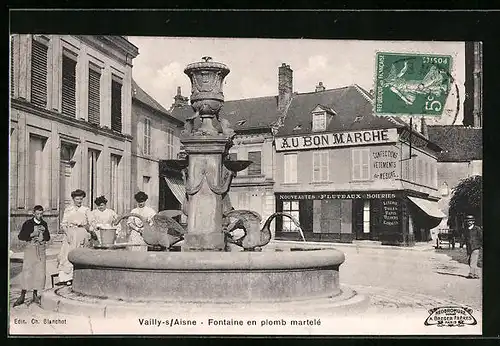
[466, 199]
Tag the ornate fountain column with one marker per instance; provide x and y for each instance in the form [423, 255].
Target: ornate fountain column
[205, 146]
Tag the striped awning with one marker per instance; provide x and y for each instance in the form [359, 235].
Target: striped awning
[176, 185]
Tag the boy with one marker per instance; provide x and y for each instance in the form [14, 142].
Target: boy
[36, 233]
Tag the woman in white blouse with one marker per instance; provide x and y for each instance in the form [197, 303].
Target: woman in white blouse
[104, 217]
[136, 225]
[77, 225]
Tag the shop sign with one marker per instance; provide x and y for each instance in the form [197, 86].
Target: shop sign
[384, 164]
[338, 139]
[337, 195]
[390, 213]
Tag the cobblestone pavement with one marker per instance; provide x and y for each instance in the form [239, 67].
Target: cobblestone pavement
[394, 280]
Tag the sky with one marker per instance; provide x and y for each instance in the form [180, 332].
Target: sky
[254, 63]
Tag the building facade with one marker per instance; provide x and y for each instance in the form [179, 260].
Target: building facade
[70, 123]
[348, 175]
[155, 135]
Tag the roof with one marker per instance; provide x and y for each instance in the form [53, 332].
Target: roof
[140, 95]
[352, 105]
[459, 143]
[243, 115]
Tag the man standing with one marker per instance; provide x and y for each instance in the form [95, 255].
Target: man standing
[36, 233]
[474, 236]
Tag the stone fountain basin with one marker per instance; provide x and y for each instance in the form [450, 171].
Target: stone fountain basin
[202, 277]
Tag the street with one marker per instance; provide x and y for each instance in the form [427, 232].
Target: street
[396, 280]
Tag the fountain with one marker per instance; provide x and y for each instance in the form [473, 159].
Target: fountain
[207, 273]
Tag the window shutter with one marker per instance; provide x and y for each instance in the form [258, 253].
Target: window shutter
[255, 167]
[324, 166]
[94, 96]
[316, 168]
[356, 164]
[116, 106]
[69, 87]
[38, 74]
[293, 168]
[365, 156]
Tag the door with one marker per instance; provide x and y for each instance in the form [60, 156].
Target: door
[65, 187]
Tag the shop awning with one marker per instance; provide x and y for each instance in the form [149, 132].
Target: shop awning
[176, 185]
[429, 207]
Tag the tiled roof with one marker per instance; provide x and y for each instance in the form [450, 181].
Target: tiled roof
[243, 115]
[140, 95]
[354, 111]
[459, 143]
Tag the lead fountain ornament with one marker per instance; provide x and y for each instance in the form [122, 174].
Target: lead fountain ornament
[205, 276]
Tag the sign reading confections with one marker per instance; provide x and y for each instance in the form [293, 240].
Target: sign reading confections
[337, 139]
[385, 164]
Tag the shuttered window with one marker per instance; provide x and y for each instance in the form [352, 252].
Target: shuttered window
[255, 167]
[68, 86]
[12, 66]
[320, 166]
[360, 164]
[116, 104]
[147, 137]
[290, 163]
[38, 74]
[94, 96]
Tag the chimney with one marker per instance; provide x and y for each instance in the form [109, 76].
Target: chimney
[423, 128]
[180, 100]
[320, 87]
[285, 86]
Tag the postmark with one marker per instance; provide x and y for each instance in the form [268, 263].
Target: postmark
[412, 84]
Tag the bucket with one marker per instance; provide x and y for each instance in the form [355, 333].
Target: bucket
[108, 235]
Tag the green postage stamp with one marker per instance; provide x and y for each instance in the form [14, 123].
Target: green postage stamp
[412, 84]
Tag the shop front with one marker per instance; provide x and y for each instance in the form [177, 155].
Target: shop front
[390, 217]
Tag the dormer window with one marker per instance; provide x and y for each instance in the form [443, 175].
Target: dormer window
[319, 121]
[320, 117]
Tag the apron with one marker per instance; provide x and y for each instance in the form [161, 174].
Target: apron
[34, 267]
[75, 237]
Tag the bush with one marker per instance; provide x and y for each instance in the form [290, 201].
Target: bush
[466, 199]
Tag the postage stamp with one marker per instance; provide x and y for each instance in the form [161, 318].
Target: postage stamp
[412, 84]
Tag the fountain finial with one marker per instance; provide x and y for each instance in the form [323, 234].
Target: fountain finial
[206, 58]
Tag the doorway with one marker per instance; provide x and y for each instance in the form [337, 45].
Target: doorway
[66, 167]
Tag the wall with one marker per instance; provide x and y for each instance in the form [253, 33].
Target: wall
[50, 124]
[147, 165]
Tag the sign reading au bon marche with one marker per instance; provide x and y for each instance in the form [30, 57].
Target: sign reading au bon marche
[412, 84]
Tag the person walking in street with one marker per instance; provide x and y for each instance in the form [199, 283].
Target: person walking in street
[104, 217]
[78, 231]
[35, 233]
[474, 238]
[136, 224]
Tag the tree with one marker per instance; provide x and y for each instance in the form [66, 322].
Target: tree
[466, 199]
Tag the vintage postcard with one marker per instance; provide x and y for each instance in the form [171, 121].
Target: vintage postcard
[191, 185]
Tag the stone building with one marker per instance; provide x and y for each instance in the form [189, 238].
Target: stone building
[70, 123]
[155, 135]
[347, 175]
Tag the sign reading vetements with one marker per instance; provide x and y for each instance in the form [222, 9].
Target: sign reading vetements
[338, 139]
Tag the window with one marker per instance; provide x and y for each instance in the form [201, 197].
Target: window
[116, 104]
[38, 74]
[147, 137]
[93, 176]
[290, 163]
[319, 121]
[115, 180]
[255, 166]
[145, 184]
[366, 216]
[414, 169]
[291, 208]
[170, 143]
[320, 166]
[419, 171]
[425, 173]
[94, 94]
[360, 164]
[38, 170]
[68, 86]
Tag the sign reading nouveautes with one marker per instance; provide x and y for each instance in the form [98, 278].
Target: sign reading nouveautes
[337, 139]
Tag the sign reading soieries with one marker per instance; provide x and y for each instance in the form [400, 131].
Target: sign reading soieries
[337, 139]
